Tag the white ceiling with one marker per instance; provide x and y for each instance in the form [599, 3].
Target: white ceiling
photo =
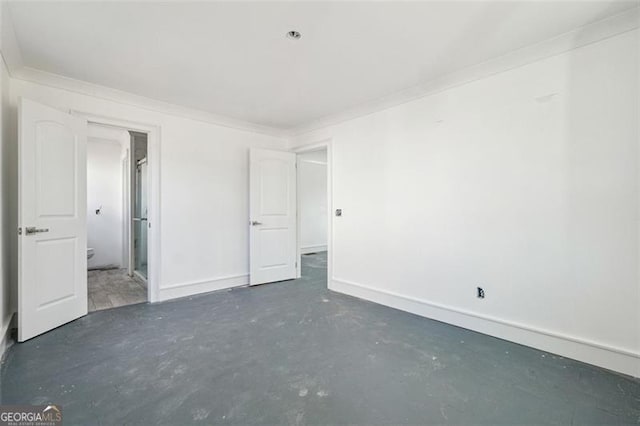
[233, 59]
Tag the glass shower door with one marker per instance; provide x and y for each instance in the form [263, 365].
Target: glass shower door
[140, 219]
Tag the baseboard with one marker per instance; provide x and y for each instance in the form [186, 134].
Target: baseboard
[313, 249]
[612, 358]
[190, 288]
[5, 335]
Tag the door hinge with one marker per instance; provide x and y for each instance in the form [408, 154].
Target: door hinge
[296, 264]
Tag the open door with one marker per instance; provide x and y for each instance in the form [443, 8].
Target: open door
[52, 245]
[272, 210]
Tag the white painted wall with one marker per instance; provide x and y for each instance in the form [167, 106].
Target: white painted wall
[204, 188]
[525, 183]
[6, 310]
[7, 232]
[312, 201]
[105, 231]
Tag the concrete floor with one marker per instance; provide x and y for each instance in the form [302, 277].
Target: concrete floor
[111, 288]
[295, 353]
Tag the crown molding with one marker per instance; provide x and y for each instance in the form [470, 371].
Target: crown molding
[12, 57]
[114, 95]
[582, 36]
[579, 37]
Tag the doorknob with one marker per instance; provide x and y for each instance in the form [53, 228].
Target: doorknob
[255, 223]
[30, 230]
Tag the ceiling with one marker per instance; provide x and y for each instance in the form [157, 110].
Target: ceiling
[233, 59]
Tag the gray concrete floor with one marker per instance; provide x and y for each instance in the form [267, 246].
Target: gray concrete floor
[111, 288]
[295, 353]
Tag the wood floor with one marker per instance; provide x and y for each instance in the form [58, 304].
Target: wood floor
[112, 288]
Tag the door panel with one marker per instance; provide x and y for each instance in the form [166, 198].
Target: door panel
[55, 170]
[274, 187]
[52, 281]
[273, 247]
[272, 216]
[56, 259]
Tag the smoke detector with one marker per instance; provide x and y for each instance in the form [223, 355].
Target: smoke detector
[294, 35]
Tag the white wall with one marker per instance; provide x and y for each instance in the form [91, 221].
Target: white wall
[6, 310]
[204, 189]
[312, 202]
[6, 234]
[525, 183]
[105, 231]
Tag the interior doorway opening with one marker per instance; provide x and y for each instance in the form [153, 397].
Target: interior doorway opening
[313, 213]
[117, 212]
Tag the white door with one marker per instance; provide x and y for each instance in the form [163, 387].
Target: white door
[272, 210]
[52, 246]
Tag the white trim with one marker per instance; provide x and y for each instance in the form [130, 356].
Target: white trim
[579, 37]
[313, 249]
[325, 143]
[194, 288]
[618, 359]
[320, 163]
[153, 155]
[114, 95]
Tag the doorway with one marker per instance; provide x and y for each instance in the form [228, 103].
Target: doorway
[313, 214]
[117, 200]
[289, 221]
[52, 214]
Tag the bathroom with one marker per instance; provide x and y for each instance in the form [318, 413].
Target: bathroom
[116, 217]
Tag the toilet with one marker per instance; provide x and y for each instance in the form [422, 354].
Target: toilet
[90, 253]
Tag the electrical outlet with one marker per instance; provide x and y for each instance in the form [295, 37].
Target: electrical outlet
[480, 293]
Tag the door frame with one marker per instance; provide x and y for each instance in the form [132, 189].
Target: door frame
[153, 165]
[317, 146]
